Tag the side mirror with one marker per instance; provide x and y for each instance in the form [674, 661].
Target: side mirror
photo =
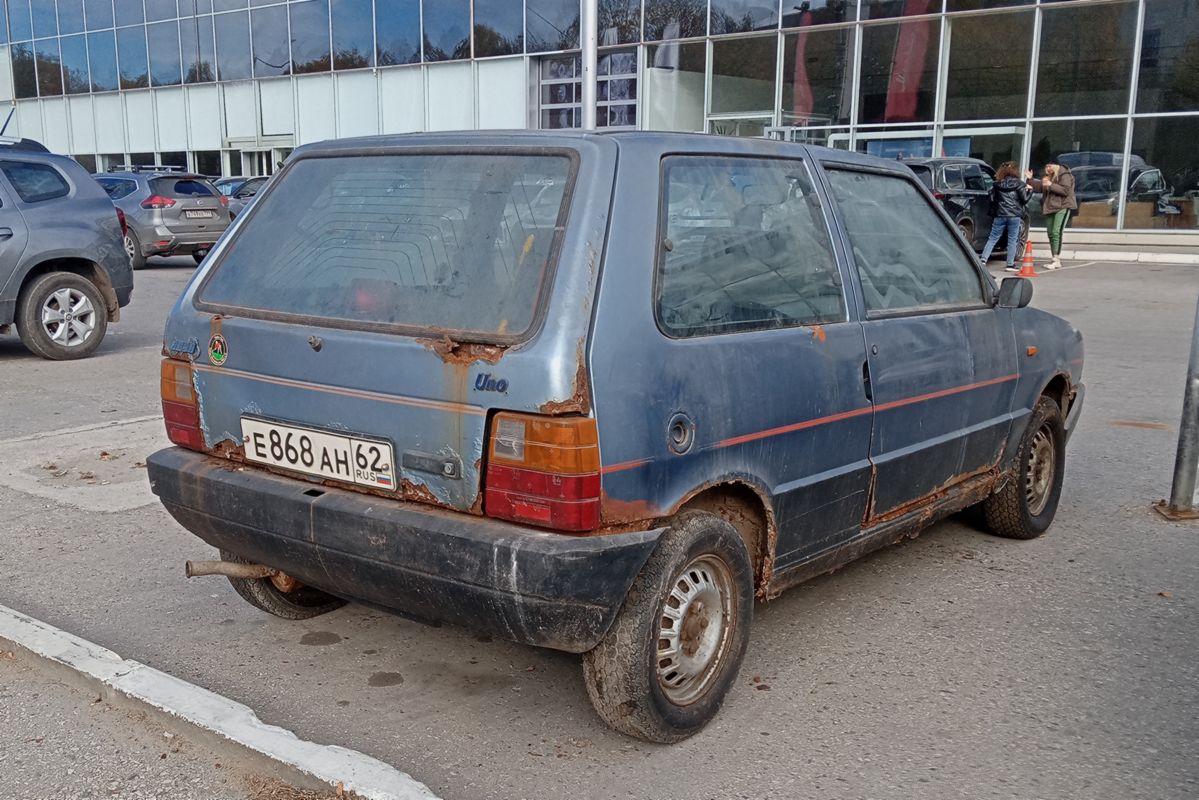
[1015, 293]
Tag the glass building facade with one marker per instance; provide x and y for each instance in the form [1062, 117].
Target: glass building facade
[1108, 87]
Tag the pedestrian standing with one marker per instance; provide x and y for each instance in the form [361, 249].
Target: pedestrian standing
[1009, 196]
[1056, 188]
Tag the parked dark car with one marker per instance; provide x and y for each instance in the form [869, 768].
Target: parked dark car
[169, 212]
[64, 274]
[963, 187]
[598, 393]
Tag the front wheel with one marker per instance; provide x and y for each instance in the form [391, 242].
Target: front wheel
[133, 249]
[62, 316]
[664, 667]
[1025, 507]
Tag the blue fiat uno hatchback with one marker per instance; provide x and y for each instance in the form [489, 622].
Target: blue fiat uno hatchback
[598, 393]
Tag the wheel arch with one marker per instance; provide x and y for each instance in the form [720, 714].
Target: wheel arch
[1060, 390]
[84, 268]
[747, 508]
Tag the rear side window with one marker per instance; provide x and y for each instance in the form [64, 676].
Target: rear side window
[182, 187]
[907, 256]
[116, 187]
[974, 178]
[746, 247]
[952, 177]
[447, 241]
[35, 182]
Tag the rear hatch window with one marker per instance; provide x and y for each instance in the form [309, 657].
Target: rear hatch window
[445, 242]
[182, 187]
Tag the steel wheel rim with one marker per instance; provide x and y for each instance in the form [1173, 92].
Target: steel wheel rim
[1042, 469]
[68, 317]
[695, 629]
[130, 250]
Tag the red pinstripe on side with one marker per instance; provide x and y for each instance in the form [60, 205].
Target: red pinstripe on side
[843, 415]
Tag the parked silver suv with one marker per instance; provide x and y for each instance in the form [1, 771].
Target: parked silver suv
[170, 213]
[64, 274]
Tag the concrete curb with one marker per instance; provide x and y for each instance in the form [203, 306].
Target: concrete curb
[215, 718]
[1130, 257]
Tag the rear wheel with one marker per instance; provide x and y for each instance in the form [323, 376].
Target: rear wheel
[133, 249]
[663, 669]
[1025, 507]
[62, 316]
[303, 602]
[967, 229]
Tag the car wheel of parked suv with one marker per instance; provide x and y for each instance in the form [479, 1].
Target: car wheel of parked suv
[303, 602]
[1024, 508]
[62, 316]
[133, 249]
[664, 667]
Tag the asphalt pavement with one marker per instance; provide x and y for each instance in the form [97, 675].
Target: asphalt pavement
[956, 665]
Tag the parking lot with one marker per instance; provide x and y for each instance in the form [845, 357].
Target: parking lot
[956, 665]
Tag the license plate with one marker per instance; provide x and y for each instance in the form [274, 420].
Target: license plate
[197, 214]
[366, 462]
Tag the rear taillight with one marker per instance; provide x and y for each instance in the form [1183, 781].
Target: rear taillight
[157, 201]
[543, 471]
[124, 222]
[180, 410]
[224, 201]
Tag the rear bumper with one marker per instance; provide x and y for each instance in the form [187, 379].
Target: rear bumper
[516, 583]
[176, 243]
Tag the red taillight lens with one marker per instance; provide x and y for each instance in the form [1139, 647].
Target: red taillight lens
[224, 201]
[124, 222]
[157, 201]
[543, 471]
[938, 195]
[180, 411]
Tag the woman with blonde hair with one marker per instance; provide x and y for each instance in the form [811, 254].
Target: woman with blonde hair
[1009, 196]
[1057, 201]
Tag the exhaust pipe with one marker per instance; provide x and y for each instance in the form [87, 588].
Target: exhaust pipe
[230, 569]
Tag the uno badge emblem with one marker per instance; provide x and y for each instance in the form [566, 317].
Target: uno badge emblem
[218, 350]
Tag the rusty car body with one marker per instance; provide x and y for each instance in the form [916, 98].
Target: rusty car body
[585, 355]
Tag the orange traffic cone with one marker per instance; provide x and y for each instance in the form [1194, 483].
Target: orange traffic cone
[1026, 271]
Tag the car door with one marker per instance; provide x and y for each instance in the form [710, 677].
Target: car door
[978, 189]
[751, 342]
[941, 358]
[14, 235]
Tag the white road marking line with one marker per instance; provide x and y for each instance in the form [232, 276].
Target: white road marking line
[116, 423]
[217, 719]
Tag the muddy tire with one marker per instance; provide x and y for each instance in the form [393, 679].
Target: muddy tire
[663, 669]
[303, 603]
[133, 249]
[62, 316]
[1025, 507]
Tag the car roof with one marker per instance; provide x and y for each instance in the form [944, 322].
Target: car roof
[665, 142]
[933, 161]
[147, 174]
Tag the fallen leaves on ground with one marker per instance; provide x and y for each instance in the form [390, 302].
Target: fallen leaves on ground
[261, 788]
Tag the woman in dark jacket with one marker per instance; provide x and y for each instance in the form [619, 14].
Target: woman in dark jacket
[1057, 201]
[1009, 196]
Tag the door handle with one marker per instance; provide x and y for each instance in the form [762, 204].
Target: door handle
[866, 381]
[5, 233]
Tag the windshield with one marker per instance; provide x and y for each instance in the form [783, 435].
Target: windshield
[455, 242]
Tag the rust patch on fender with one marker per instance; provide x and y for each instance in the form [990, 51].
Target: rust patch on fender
[579, 401]
[614, 512]
[819, 334]
[463, 353]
